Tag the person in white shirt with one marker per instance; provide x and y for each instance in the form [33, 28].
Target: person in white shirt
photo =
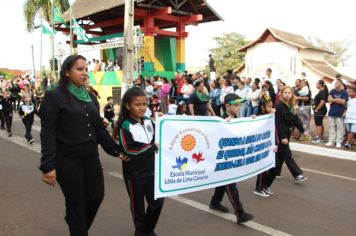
[226, 88]
[149, 89]
[350, 117]
[242, 92]
[253, 98]
[271, 79]
[187, 89]
[172, 107]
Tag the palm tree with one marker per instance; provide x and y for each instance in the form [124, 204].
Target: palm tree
[32, 7]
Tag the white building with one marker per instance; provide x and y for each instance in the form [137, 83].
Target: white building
[288, 55]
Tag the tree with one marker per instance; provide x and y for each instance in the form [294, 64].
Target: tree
[32, 7]
[339, 49]
[225, 53]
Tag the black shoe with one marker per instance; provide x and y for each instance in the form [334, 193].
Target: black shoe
[9, 134]
[244, 217]
[153, 234]
[219, 207]
[31, 141]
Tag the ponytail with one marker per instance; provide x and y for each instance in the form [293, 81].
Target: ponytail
[322, 83]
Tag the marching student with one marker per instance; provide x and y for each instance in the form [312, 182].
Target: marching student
[232, 104]
[136, 135]
[265, 179]
[286, 118]
[27, 111]
[7, 110]
[109, 113]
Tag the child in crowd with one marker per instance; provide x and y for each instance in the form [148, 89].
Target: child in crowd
[172, 107]
[109, 112]
[286, 118]
[136, 135]
[232, 104]
[7, 110]
[182, 108]
[350, 117]
[27, 111]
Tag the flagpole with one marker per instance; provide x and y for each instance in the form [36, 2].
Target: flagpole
[52, 36]
[41, 51]
[71, 30]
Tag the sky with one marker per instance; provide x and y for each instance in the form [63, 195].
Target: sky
[328, 20]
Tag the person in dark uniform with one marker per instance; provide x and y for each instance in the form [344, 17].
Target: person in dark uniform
[233, 104]
[136, 135]
[109, 113]
[71, 129]
[6, 103]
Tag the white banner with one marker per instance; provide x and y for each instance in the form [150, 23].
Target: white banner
[202, 152]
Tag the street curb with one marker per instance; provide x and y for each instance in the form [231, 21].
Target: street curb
[323, 151]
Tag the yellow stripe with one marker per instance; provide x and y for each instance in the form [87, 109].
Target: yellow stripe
[180, 57]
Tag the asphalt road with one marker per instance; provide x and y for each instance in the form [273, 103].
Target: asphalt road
[323, 205]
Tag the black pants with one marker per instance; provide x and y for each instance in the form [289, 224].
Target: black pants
[2, 121]
[145, 220]
[8, 121]
[82, 183]
[28, 128]
[232, 193]
[265, 179]
[285, 155]
[216, 109]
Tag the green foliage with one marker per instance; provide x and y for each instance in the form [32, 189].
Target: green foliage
[7, 75]
[32, 7]
[225, 53]
[339, 49]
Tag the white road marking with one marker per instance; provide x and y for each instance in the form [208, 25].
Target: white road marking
[328, 174]
[323, 151]
[227, 216]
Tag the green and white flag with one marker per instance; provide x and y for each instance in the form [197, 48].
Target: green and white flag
[47, 29]
[79, 31]
[58, 16]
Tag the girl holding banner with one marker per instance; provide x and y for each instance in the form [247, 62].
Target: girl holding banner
[136, 135]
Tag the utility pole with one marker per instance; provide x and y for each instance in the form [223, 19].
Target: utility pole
[128, 60]
[33, 62]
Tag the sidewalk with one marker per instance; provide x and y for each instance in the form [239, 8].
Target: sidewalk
[321, 149]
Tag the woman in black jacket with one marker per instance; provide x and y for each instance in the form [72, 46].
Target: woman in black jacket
[286, 118]
[71, 129]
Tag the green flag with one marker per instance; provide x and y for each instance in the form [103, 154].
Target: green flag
[58, 16]
[46, 29]
[79, 31]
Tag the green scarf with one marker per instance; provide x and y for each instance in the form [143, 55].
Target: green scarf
[79, 92]
[202, 96]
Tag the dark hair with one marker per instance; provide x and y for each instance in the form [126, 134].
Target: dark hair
[165, 80]
[189, 80]
[263, 104]
[173, 82]
[228, 81]
[172, 101]
[67, 65]
[269, 70]
[257, 84]
[216, 83]
[198, 83]
[108, 98]
[257, 80]
[322, 83]
[126, 99]
[338, 76]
